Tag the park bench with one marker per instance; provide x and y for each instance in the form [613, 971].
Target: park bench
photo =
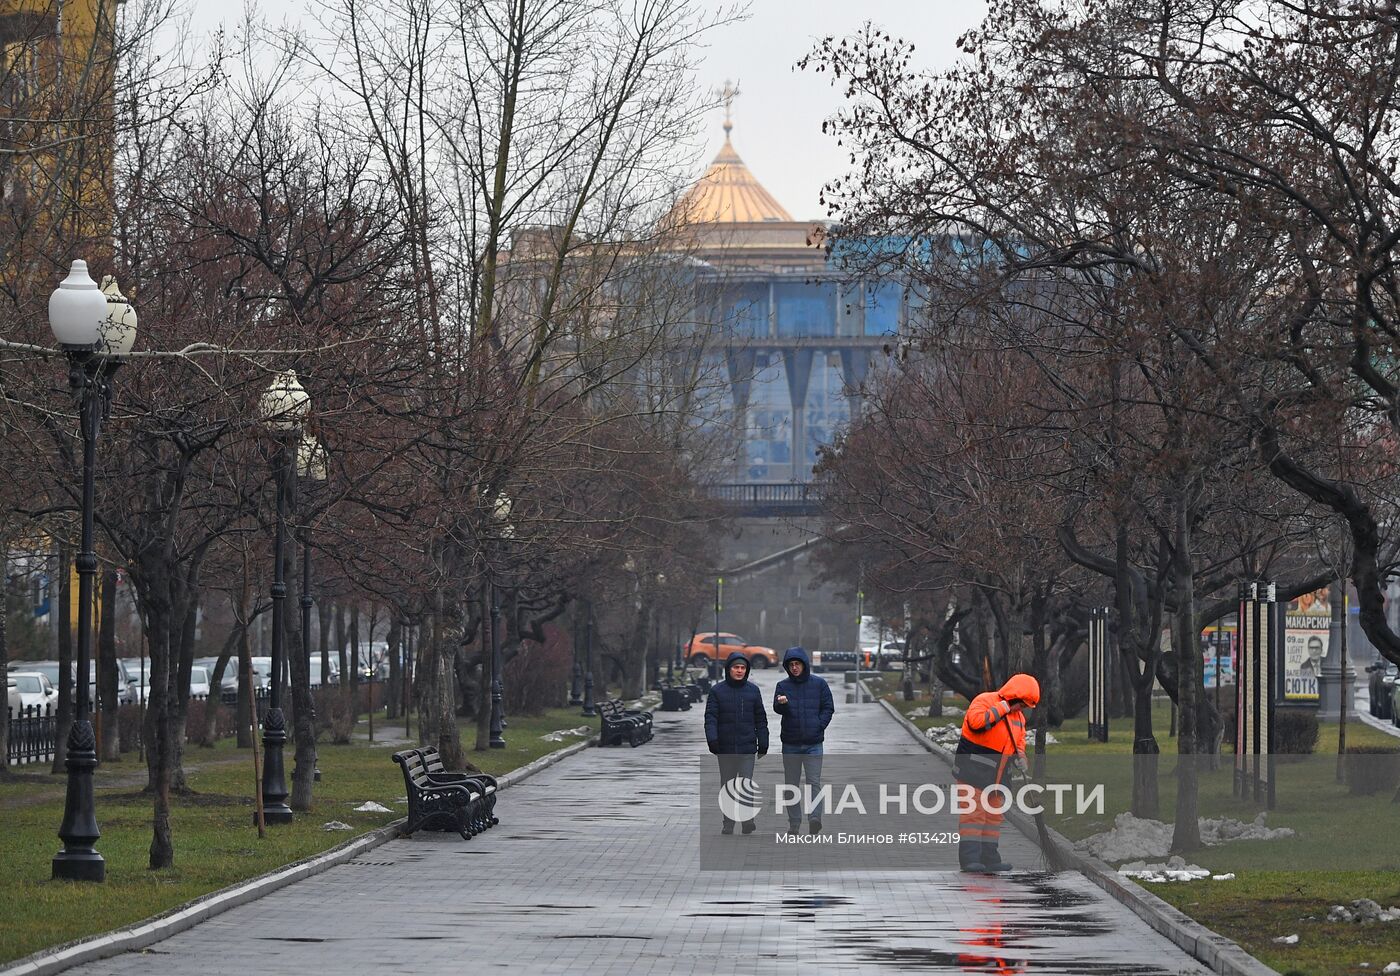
[620, 724]
[433, 805]
[432, 761]
[675, 698]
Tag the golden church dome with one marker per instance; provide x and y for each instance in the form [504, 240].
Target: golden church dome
[728, 193]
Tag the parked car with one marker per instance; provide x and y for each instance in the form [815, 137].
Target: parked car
[35, 689]
[262, 678]
[12, 698]
[834, 661]
[199, 681]
[317, 679]
[709, 646]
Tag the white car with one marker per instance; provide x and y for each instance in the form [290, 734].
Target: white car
[199, 682]
[35, 689]
[14, 702]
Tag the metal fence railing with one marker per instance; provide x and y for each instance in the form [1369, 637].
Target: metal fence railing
[32, 731]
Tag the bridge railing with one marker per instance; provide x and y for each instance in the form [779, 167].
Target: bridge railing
[792, 498]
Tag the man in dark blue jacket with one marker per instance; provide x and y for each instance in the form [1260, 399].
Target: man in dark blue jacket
[736, 726]
[804, 701]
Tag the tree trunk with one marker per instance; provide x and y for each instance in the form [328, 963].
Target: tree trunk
[107, 669]
[160, 761]
[65, 660]
[303, 706]
[483, 684]
[4, 655]
[1146, 801]
[393, 692]
[1187, 834]
[323, 639]
[247, 716]
[449, 741]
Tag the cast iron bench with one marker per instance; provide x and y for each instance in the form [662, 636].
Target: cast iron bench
[675, 698]
[434, 805]
[623, 725]
[439, 773]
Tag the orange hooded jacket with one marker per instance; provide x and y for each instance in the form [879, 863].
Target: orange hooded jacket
[992, 733]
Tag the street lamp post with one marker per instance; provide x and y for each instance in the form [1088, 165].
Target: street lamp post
[576, 682]
[311, 466]
[588, 710]
[96, 329]
[500, 517]
[283, 407]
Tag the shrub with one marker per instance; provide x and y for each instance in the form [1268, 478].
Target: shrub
[1371, 769]
[1295, 731]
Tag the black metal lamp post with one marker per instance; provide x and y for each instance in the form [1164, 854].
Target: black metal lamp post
[497, 740]
[96, 329]
[588, 710]
[284, 405]
[500, 516]
[576, 682]
[311, 466]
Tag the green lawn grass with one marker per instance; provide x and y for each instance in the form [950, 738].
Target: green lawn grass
[1346, 842]
[216, 844]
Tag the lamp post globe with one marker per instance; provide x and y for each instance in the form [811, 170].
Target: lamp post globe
[77, 309]
[96, 331]
[282, 407]
[285, 403]
[119, 327]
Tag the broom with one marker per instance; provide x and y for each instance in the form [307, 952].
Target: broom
[1050, 857]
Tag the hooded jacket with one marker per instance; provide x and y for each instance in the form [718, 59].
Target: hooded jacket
[735, 722]
[992, 735]
[809, 706]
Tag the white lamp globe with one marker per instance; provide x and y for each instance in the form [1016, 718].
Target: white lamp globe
[77, 309]
[285, 403]
[119, 328]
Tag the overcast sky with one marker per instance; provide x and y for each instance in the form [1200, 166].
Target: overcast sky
[778, 114]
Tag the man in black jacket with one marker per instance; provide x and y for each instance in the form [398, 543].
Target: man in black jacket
[736, 726]
[804, 701]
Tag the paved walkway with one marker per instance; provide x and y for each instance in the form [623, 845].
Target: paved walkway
[594, 870]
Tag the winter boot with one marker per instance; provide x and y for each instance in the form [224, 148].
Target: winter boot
[991, 859]
[728, 827]
[749, 826]
[970, 856]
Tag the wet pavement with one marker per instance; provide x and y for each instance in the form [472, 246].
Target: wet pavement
[595, 869]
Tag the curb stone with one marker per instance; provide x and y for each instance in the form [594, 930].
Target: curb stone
[1222, 955]
[191, 913]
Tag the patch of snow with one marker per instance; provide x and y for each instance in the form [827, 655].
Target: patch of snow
[336, 825]
[1287, 940]
[369, 806]
[1391, 967]
[1138, 838]
[1362, 911]
[561, 734]
[1175, 869]
[1223, 877]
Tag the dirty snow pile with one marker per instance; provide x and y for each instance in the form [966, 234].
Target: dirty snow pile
[1050, 739]
[945, 735]
[369, 806]
[1363, 911]
[1175, 869]
[562, 734]
[1132, 838]
[336, 825]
